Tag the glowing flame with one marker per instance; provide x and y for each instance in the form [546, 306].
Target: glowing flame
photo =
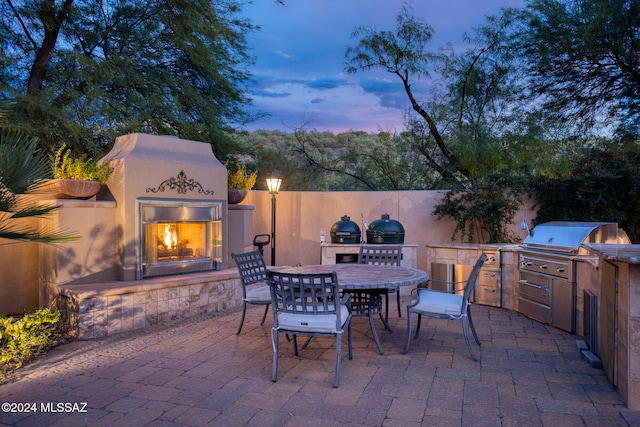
[170, 237]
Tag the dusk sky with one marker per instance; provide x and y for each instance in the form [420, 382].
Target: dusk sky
[300, 60]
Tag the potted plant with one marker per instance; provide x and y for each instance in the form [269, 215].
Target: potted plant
[239, 183]
[76, 177]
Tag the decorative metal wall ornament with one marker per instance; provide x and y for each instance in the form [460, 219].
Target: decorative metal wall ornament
[180, 183]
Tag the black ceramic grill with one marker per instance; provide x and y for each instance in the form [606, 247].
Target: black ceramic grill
[345, 231]
[385, 231]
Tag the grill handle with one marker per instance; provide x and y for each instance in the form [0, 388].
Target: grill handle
[533, 285]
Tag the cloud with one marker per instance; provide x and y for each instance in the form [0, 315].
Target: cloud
[267, 84]
[269, 94]
[285, 55]
[325, 83]
[380, 86]
[300, 53]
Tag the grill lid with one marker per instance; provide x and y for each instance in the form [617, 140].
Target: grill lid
[572, 234]
[345, 231]
[386, 225]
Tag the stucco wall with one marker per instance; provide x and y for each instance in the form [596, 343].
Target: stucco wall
[299, 218]
[300, 215]
[19, 274]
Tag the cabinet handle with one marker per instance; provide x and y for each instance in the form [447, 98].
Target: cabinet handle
[533, 285]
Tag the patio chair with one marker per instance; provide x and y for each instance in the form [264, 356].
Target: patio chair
[309, 305]
[445, 305]
[383, 255]
[255, 282]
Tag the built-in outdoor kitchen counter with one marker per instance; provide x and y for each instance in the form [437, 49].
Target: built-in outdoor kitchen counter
[337, 253]
[612, 276]
[607, 300]
[496, 283]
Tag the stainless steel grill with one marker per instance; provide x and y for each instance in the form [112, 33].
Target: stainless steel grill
[547, 282]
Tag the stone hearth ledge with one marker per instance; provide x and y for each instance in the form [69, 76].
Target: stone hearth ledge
[101, 309]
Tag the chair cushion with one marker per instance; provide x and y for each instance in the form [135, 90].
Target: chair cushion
[438, 303]
[323, 323]
[262, 294]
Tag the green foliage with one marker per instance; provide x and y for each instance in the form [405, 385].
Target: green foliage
[22, 169]
[483, 213]
[27, 337]
[240, 180]
[403, 54]
[88, 71]
[82, 168]
[581, 58]
[602, 187]
[349, 161]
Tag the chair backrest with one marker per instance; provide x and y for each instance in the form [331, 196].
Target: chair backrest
[308, 294]
[251, 267]
[380, 254]
[473, 278]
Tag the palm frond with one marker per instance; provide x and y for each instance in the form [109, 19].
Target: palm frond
[22, 169]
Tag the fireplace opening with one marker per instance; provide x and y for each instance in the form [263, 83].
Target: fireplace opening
[179, 237]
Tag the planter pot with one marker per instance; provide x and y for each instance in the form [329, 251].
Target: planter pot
[72, 188]
[236, 196]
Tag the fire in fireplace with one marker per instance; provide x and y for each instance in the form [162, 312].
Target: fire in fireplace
[181, 236]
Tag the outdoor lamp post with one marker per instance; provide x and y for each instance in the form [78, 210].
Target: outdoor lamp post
[273, 184]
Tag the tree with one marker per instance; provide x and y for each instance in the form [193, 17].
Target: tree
[603, 186]
[86, 71]
[403, 54]
[323, 161]
[582, 58]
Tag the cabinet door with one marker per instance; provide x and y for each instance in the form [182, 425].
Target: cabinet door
[563, 305]
[461, 274]
[441, 277]
[607, 335]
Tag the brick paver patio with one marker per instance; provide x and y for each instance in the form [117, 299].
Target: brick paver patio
[199, 373]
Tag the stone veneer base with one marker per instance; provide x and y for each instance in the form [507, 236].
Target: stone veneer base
[101, 309]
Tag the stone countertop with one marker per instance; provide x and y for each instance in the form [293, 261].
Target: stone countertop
[357, 245]
[493, 246]
[629, 254]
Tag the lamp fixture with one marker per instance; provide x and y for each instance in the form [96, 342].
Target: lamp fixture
[274, 181]
[273, 184]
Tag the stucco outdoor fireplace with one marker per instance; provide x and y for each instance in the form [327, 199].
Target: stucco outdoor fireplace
[171, 206]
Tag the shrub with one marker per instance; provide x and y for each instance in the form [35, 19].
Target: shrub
[82, 168]
[482, 215]
[240, 180]
[24, 338]
[602, 187]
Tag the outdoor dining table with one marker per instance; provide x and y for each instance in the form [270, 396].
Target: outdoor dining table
[370, 281]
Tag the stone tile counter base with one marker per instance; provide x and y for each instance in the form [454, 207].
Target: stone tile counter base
[101, 309]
